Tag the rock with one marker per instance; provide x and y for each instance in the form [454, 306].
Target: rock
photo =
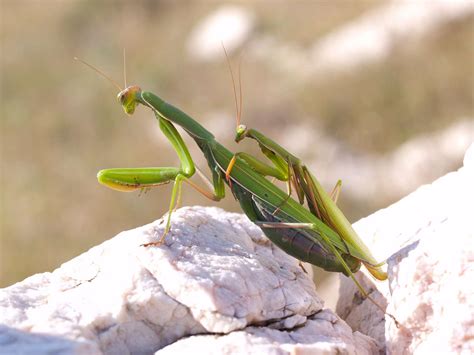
[14, 341]
[216, 277]
[323, 333]
[430, 275]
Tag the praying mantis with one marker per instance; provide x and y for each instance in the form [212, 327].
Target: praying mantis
[320, 235]
[289, 168]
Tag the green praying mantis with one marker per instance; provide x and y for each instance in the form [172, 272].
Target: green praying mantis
[289, 168]
[320, 235]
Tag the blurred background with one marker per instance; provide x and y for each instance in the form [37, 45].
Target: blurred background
[376, 93]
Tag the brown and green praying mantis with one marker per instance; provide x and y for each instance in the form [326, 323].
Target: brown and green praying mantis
[321, 236]
[287, 167]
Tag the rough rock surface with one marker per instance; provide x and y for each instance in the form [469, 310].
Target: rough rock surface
[431, 274]
[316, 336]
[215, 275]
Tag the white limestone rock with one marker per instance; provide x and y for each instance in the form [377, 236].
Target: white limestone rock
[14, 341]
[216, 274]
[323, 333]
[431, 275]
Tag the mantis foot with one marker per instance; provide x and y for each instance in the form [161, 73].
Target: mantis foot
[156, 244]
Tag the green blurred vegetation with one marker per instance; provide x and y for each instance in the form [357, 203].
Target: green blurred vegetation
[60, 122]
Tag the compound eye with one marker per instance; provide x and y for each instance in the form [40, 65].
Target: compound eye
[121, 96]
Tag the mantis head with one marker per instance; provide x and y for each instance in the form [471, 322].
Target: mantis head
[240, 133]
[129, 98]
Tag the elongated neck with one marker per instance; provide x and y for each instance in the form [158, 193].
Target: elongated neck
[175, 115]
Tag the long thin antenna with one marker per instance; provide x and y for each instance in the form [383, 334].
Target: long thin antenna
[124, 69]
[99, 72]
[233, 85]
[240, 92]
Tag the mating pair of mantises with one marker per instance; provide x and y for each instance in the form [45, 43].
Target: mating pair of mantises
[320, 234]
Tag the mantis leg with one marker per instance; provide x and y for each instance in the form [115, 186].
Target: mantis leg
[336, 191]
[130, 179]
[178, 181]
[278, 171]
[175, 195]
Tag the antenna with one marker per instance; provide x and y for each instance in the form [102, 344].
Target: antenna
[233, 86]
[100, 72]
[124, 69]
[240, 91]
